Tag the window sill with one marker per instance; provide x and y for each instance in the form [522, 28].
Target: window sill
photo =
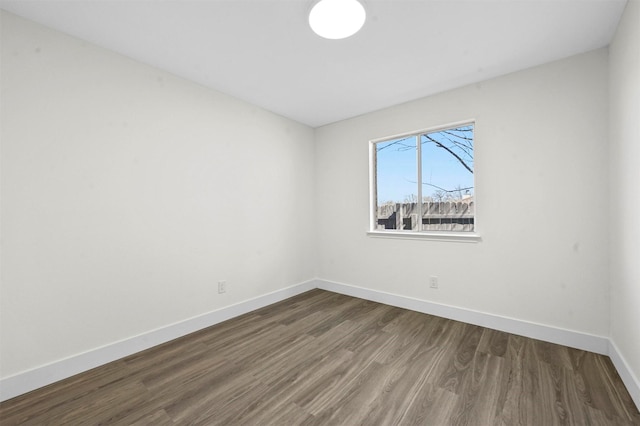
[466, 237]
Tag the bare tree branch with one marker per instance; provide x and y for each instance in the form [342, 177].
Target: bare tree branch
[440, 188]
[457, 157]
[398, 142]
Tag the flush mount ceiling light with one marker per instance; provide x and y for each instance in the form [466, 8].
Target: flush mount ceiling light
[336, 19]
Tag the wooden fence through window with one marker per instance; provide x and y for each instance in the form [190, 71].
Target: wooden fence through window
[436, 216]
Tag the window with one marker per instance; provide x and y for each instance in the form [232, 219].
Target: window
[442, 161]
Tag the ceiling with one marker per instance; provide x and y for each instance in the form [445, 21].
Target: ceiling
[264, 52]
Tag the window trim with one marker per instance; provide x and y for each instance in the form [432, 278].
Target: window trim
[467, 237]
[411, 234]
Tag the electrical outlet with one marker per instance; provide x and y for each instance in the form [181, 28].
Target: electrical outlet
[222, 286]
[433, 282]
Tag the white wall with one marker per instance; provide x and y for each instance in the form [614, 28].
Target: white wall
[541, 187]
[625, 188]
[128, 192]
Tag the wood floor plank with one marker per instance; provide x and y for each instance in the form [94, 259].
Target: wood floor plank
[456, 377]
[105, 406]
[22, 410]
[322, 358]
[296, 381]
[432, 405]
[477, 402]
[360, 394]
[156, 418]
[494, 342]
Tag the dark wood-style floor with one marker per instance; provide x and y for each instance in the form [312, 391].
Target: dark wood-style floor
[326, 359]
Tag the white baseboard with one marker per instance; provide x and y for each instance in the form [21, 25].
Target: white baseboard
[570, 338]
[626, 374]
[27, 381]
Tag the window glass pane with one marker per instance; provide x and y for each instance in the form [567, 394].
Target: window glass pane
[447, 180]
[396, 184]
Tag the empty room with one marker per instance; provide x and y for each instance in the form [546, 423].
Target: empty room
[320, 212]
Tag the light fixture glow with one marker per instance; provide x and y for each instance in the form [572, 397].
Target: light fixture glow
[336, 19]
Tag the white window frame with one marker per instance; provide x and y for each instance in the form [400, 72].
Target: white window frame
[469, 237]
